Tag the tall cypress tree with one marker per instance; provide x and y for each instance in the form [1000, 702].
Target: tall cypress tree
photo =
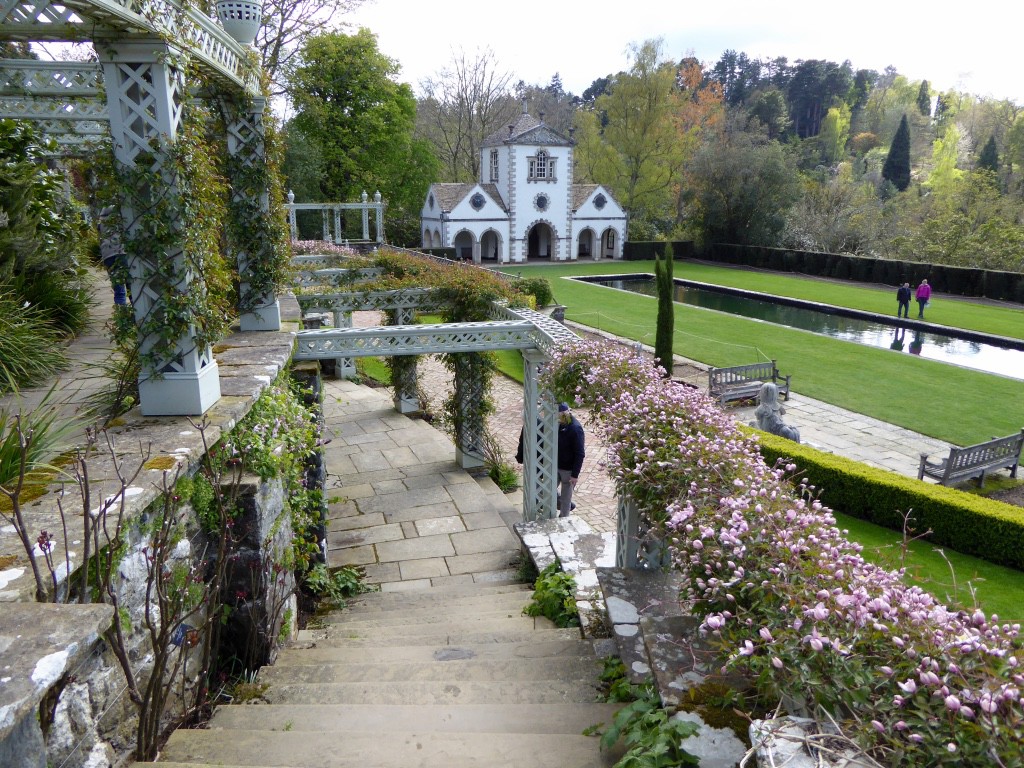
[924, 99]
[988, 160]
[897, 164]
[666, 310]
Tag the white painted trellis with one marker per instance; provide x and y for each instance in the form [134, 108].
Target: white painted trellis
[134, 96]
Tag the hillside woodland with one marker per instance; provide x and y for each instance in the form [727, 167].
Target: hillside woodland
[808, 154]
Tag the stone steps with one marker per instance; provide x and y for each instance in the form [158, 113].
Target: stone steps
[529, 649]
[293, 749]
[570, 719]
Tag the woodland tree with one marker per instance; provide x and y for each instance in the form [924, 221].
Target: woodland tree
[897, 163]
[466, 102]
[361, 121]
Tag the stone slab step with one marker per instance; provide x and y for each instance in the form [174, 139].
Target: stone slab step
[452, 615]
[433, 692]
[377, 718]
[401, 750]
[523, 651]
[429, 595]
[338, 636]
[445, 667]
[462, 604]
[491, 623]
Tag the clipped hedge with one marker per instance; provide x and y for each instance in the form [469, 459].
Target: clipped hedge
[969, 524]
[647, 250]
[961, 281]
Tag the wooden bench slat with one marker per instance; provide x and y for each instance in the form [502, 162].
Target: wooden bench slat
[739, 382]
[974, 460]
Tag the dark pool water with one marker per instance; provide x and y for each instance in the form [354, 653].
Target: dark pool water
[970, 353]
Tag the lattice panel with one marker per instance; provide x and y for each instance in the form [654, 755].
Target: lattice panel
[409, 298]
[48, 78]
[50, 108]
[405, 386]
[149, 104]
[246, 138]
[470, 391]
[335, 276]
[413, 340]
[40, 14]
[540, 430]
[188, 28]
[84, 129]
[549, 333]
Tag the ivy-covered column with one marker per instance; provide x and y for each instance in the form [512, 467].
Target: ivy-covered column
[472, 374]
[146, 95]
[255, 234]
[404, 376]
[540, 430]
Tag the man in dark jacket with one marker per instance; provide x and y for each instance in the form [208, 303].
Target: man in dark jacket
[570, 457]
[903, 300]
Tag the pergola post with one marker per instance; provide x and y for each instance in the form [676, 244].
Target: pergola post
[470, 424]
[145, 94]
[260, 308]
[540, 442]
[406, 400]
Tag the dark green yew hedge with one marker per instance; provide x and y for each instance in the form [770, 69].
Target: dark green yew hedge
[972, 525]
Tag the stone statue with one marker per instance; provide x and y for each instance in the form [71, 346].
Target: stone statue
[769, 414]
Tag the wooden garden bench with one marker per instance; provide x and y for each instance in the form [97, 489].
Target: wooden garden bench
[974, 461]
[742, 382]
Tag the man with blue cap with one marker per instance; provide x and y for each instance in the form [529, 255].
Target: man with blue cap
[570, 457]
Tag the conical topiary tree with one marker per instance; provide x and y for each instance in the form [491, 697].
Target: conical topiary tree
[897, 164]
[665, 328]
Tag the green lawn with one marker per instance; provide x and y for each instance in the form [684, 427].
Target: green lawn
[949, 403]
[957, 580]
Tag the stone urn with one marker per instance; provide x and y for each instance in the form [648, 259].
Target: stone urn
[241, 19]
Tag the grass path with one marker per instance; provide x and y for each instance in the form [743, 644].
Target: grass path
[947, 402]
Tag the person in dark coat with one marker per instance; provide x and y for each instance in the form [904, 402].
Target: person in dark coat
[571, 452]
[903, 300]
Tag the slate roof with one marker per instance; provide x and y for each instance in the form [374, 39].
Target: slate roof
[580, 193]
[448, 195]
[527, 130]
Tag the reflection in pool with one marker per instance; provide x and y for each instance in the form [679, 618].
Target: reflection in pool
[982, 356]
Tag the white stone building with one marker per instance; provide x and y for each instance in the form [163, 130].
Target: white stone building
[525, 205]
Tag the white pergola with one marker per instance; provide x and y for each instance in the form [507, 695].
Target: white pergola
[134, 94]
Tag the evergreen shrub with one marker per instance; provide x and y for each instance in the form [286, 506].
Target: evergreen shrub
[972, 525]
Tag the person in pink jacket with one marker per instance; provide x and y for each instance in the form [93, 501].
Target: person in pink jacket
[924, 292]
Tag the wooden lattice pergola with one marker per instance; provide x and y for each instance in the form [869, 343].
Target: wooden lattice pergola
[133, 95]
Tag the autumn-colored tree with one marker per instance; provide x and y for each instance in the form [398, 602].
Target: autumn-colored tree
[629, 141]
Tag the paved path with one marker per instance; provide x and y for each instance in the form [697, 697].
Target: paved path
[821, 425]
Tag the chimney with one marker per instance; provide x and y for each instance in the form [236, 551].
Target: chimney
[524, 106]
[541, 113]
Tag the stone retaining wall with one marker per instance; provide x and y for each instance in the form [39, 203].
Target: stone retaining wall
[63, 695]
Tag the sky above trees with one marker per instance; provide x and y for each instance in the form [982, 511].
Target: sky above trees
[581, 42]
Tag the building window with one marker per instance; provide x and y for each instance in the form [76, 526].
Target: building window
[494, 165]
[541, 202]
[600, 202]
[541, 167]
[477, 201]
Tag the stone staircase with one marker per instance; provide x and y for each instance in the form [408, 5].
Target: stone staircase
[438, 668]
[447, 676]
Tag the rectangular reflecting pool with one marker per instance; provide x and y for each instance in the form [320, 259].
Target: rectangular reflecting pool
[990, 355]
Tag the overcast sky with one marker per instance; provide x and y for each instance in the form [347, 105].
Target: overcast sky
[975, 47]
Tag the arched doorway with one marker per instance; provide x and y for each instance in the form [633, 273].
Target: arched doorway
[490, 246]
[463, 245]
[609, 242]
[539, 242]
[427, 242]
[585, 245]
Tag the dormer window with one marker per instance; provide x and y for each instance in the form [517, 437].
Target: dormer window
[542, 167]
[494, 166]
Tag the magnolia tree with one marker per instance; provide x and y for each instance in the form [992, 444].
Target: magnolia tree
[789, 600]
